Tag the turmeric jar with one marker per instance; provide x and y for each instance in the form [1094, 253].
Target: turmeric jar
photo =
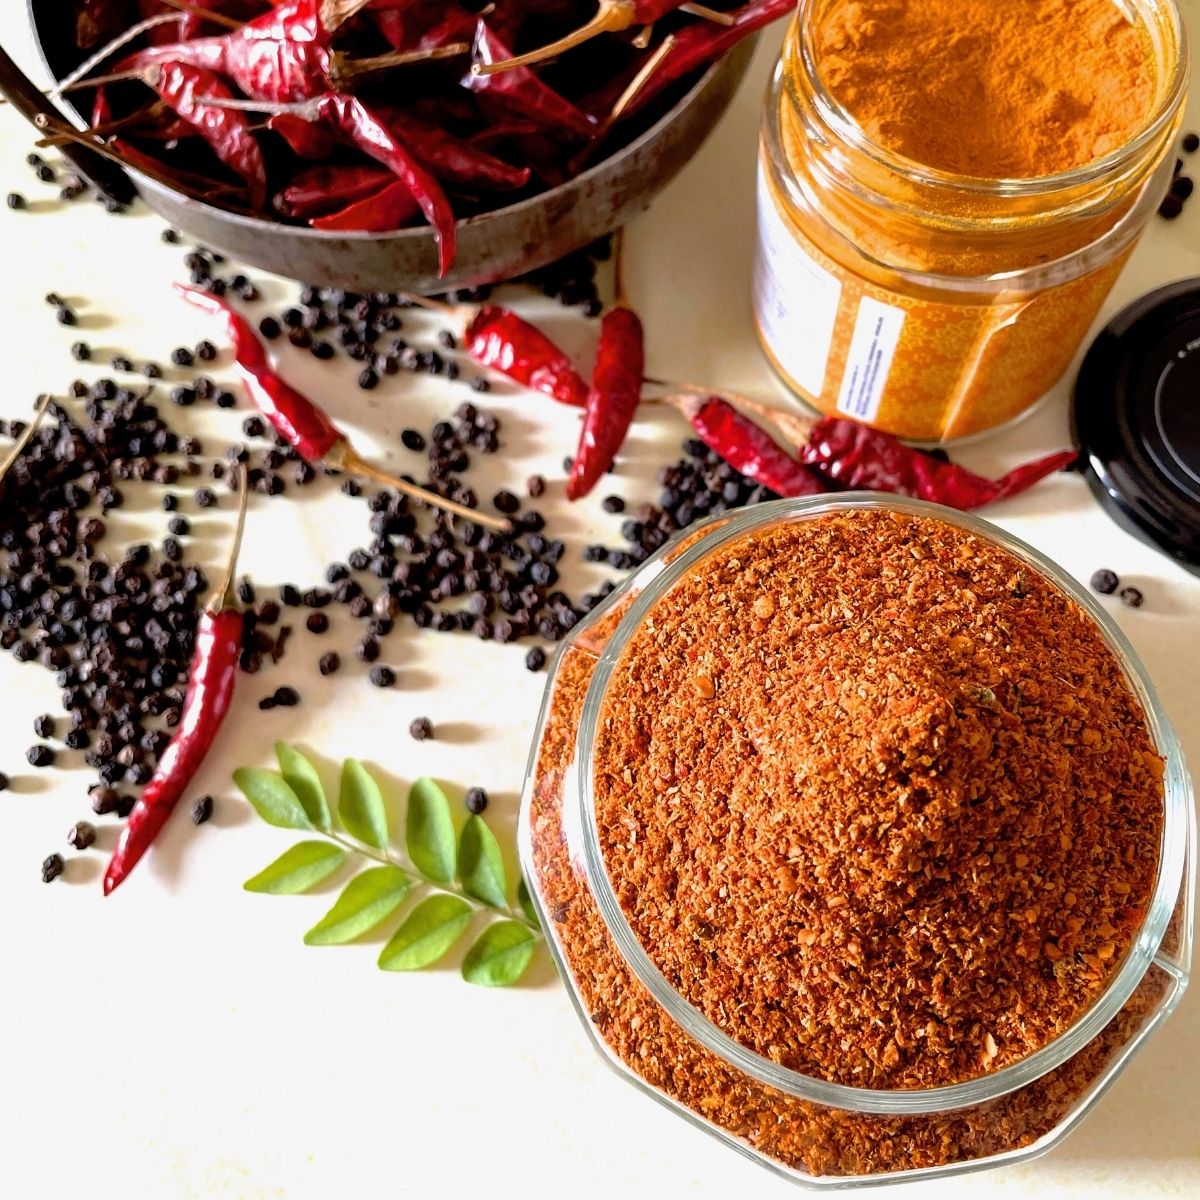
[947, 194]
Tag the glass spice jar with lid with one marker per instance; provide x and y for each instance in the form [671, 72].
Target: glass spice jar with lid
[936, 285]
[835, 872]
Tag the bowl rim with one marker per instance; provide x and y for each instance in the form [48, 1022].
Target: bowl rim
[416, 233]
[1176, 845]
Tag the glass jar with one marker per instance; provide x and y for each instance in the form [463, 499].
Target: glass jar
[812, 1131]
[931, 304]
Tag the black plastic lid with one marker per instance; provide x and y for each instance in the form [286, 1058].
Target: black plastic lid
[1137, 420]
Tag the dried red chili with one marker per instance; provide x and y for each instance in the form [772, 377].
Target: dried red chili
[390, 208]
[209, 693]
[521, 90]
[302, 424]
[320, 190]
[611, 17]
[497, 338]
[185, 87]
[851, 455]
[702, 42]
[747, 447]
[452, 159]
[612, 399]
[856, 456]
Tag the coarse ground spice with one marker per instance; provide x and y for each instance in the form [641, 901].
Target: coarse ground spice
[893, 816]
[801, 1135]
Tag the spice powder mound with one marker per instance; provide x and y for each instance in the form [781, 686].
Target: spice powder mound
[877, 800]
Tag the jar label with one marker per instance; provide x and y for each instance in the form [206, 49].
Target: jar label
[795, 299]
[872, 347]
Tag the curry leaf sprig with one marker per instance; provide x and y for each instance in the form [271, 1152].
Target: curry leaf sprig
[463, 873]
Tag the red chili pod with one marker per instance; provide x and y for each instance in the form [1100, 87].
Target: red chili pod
[612, 399]
[747, 447]
[497, 338]
[392, 207]
[210, 686]
[857, 456]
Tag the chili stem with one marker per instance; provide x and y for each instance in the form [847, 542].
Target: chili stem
[643, 38]
[345, 458]
[207, 13]
[613, 16]
[390, 860]
[639, 81]
[100, 80]
[618, 257]
[437, 306]
[26, 437]
[352, 68]
[708, 14]
[106, 128]
[224, 596]
[73, 135]
[796, 428]
[85, 68]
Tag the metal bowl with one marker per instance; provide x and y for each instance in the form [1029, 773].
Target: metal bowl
[492, 246]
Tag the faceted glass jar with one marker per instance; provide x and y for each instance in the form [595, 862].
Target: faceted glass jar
[817, 1133]
[932, 304]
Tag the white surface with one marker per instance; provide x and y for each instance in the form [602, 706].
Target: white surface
[178, 1040]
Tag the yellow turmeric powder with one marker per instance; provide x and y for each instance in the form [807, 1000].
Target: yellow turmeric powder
[989, 88]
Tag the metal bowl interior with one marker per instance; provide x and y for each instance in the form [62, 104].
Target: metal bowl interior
[493, 246]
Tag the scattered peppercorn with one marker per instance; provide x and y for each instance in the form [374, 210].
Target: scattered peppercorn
[40, 756]
[287, 697]
[329, 662]
[1191, 143]
[15, 201]
[52, 867]
[535, 659]
[81, 835]
[81, 351]
[382, 677]
[420, 729]
[43, 726]
[1105, 581]
[1132, 597]
[5, 782]
[476, 800]
[202, 809]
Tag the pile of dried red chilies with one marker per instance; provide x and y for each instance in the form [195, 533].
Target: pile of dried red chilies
[292, 109]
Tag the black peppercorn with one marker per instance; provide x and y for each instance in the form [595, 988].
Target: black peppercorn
[1132, 597]
[420, 729]
[1105, 581]
[381, 676]
[535, 660]
[81, 835]
[476, 800]
[39, 756]
[329, 663]
[52, 867]
[202, 809]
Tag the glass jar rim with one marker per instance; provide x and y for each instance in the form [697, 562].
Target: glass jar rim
[839, 119]
[1178, 832]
